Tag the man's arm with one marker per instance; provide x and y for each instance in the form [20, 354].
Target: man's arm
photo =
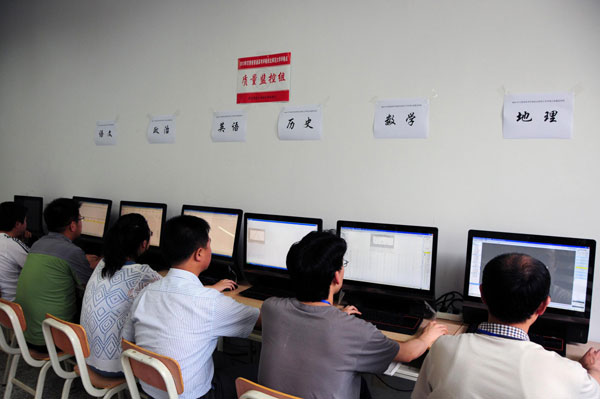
[415, 347]
[591, 362]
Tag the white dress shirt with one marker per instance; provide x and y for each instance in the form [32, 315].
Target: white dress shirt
[12, 258]
[178, 317]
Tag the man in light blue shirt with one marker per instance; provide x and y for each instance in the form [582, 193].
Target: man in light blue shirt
[178, 317]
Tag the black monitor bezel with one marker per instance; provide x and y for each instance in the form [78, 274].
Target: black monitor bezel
[238, 227]
[524, 237]
[148, 205]
[20, 198]
[104, 201]
[265, 271]
[390, 290]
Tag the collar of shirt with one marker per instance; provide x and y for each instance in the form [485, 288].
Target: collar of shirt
[503, 331]
[183, 274]
[58, 236]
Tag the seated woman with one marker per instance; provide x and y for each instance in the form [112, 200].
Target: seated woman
[111, 290]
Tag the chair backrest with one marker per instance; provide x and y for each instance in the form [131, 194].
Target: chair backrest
[5, 318]
[159, 371]
[13, 318]
[247, 389]
[62, 341]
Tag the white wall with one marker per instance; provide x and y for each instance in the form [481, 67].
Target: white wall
[66, 64]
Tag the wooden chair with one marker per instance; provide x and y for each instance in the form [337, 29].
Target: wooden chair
[72, 339]
[247, 389]
[159, 371]
[12, 319]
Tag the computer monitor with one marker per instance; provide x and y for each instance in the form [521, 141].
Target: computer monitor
[569, 260]
[268, 239]
[154, 213]
[35, 210]
[389, 260]
[225, 226]
[96, 215]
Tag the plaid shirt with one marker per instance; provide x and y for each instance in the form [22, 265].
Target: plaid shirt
[503, 331]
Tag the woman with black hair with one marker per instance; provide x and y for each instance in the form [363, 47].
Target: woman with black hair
[115, 283]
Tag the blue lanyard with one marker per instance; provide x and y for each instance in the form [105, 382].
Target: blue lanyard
[497, 335]
[325, 301]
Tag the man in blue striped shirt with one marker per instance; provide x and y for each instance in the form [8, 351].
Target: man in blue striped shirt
[179, 317]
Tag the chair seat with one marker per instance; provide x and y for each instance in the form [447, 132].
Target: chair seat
[102, 382]
[42, 356]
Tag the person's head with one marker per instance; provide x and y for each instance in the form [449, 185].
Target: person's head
[313, 263]
[514, 286]
[62, 216]
[13, 218]
[186, 238]
[126, 240]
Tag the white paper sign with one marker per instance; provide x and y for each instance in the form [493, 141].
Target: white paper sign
[536, 116]
[162, 129]
[106, 133]
[300, 123]
[402, 118]
[229, 126]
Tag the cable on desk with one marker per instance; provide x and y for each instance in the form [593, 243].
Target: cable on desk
[446, 301]
[391, 387]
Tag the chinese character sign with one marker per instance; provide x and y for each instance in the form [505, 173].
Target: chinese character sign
[265, 78]
[531, 116]
[402, 118]
[106, 133]
[300, 123]
[161, 130]
[229, 126]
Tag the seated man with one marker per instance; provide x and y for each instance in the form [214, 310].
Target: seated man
[312, 349]
[178, 317]
[13, 252]
[499, 361]
[54, 269]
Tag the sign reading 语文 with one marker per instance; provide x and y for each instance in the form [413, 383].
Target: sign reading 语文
[264, 78]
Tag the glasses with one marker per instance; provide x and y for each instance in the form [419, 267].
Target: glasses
[80, 218]
[345, 263]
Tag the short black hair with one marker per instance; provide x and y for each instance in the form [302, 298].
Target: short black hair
[60, 213]
[514, 285]
[10, 214]
[312, 263]
[123, 241]
[182, 236]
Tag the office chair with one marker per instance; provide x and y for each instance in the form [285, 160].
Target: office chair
[72, 339]
[12, 319]
[247, 389]
[159, 371]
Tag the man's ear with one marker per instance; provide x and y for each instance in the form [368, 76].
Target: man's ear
[337, 277]
[198, 254]
[481, 293]
[543, 306]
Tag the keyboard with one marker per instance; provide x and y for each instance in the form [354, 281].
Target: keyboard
[389, 321]
[262, 293]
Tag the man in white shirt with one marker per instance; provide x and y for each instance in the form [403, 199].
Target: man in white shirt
[499, 361]
[178, 317]
[13, 252]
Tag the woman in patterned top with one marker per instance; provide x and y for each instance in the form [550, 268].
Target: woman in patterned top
[111, 290]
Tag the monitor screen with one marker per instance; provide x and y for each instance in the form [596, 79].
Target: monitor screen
[96, 215]
[35, 209]
[390, 259]
[224, 227]
[570, 262]
[269, 238]
[154, 213]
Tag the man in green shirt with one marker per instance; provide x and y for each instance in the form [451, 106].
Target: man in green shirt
[54, 268]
